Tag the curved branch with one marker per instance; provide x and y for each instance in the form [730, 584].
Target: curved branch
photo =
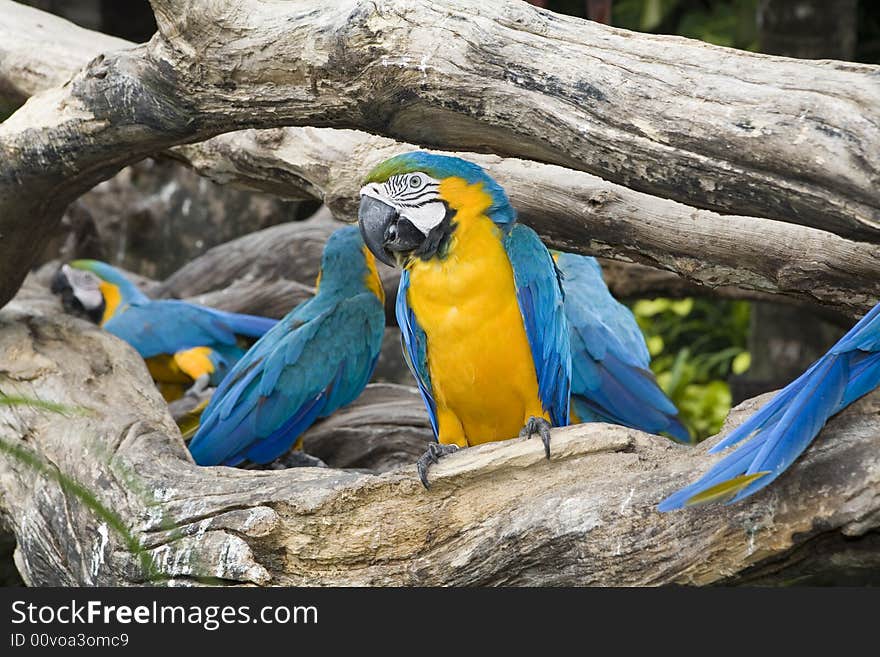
[574, 211]
[714, 127]
[496, 514]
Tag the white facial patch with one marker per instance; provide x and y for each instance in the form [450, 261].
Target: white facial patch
[85, 286]
[425, 217]
[415, 196]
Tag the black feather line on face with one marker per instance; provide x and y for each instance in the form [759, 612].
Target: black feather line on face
[437, 240]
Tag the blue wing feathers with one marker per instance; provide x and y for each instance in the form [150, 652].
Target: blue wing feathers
[319, 358]
[414, 343]
[541, 304]
[168, 326]
[783, 428]
[611, 381]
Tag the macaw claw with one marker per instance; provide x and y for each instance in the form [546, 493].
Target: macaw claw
[540, 426]
[433, 454]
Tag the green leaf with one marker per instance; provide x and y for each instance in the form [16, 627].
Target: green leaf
[741, 363]
[7, 400]
[655, 345]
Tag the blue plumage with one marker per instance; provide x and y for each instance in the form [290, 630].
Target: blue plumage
[783, 428]
[541, 304]
[611, 379]
[165, 327]
[316, 359]
[415, 349]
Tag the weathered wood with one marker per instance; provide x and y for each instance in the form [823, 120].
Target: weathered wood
[574, 211]
[385, 428]
[39, 50]
[717, 128]
[496, 514]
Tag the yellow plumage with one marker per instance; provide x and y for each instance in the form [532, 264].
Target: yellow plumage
[112, 299]
[174, 373]
[479, 360]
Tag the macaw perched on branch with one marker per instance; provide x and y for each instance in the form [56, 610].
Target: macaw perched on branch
[784, 427]
[318, 358]
[182, 343]
[479, 305]
[611, 380]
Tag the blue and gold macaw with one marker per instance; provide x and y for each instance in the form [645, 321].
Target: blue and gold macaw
[611, 380]
[182, 343]
[783, 428]
[318, 358]
[479, 306]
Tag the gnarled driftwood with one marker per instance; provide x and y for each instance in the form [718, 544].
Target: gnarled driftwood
[496, 514]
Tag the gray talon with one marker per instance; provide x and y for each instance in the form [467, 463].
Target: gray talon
[432, 455]
[540, 426]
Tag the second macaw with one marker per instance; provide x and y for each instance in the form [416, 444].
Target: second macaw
[611, 380]
[480, 306]
[318, 358]
[182, 343]
[773, 438]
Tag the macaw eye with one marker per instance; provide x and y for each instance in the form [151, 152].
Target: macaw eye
[415, 181]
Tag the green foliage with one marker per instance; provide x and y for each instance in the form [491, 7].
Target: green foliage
[695, 345]
[722, 22]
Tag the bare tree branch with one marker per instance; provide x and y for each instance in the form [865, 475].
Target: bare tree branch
[574, 211]
[713, 127]
[496, 514]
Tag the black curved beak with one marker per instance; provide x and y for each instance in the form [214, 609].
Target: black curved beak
[61, 286]
[60, 283]
[385, 232]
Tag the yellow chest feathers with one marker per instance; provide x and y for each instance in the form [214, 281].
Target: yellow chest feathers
[482, 372]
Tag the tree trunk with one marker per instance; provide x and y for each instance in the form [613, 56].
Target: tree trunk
[784, 341]
[810, 29]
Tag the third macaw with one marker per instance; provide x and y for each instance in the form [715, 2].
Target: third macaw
[479, 306]
[783, 428]
[182, 343]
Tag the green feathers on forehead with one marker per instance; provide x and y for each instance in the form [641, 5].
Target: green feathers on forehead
[441, 167]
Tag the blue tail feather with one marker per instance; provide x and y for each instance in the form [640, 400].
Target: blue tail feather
[782, 429]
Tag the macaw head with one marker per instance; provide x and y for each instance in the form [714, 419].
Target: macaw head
[347, 266]
[409, 204]
[93, 289]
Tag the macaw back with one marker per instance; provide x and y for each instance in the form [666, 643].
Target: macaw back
[181, 341]
[318, 358]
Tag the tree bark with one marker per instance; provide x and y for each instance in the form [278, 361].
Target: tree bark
[495, 514]
[794, 140]
[573, 211]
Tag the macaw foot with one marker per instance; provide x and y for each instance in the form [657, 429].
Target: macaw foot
[299, 459]
[199, 386]
[433, 455]
[540, 426]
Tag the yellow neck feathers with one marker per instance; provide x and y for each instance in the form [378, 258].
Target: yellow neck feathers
[112, 299]
[481, 367]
